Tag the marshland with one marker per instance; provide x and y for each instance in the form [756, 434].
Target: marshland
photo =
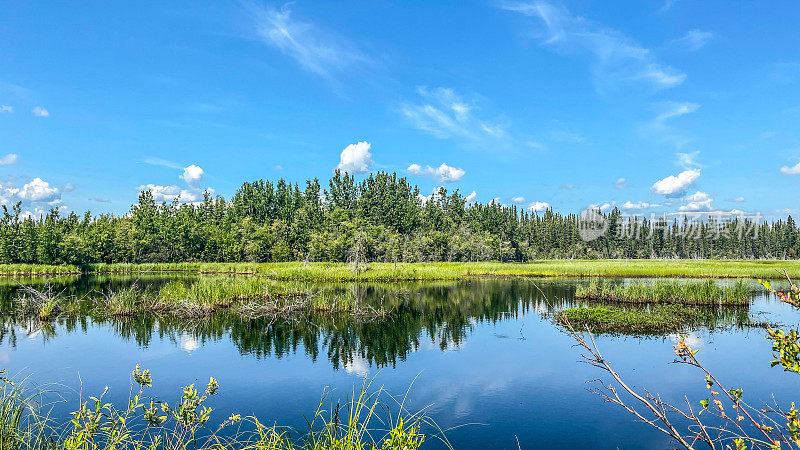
[471, 360]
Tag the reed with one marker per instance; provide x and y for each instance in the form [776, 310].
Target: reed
[706, 292]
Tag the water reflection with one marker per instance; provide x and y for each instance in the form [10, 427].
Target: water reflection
[438, 315]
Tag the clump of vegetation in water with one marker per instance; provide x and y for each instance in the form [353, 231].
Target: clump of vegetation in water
[148, 423]
[615, 319]
[705, 292]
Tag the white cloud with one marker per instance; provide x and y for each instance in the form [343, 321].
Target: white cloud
[602, 206]
[675, 186]
[192, 175]
[675, 109]
[471, 197]
[699, 201]
[169, 192]
[688, 160]
[538, 206]
[40, 112]
[518, 200]
[694, 40]
[445, 115]
[426, 198]
[621, 183]
[9, 159]
[739, 199]
[636, 206]
[793, 170]
[442, 174]
[6, 109]
[615, 59]
[162, 162]
[356, 158]
[315, 49]
[39, 190]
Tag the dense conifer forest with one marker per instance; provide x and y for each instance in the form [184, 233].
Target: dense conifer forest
[382, 218]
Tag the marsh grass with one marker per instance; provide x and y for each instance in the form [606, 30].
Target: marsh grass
[46, 303]
[656, 319]
[706, 292]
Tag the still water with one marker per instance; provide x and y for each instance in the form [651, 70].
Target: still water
[483, 355]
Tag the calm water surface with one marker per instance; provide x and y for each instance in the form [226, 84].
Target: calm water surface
[482, 353]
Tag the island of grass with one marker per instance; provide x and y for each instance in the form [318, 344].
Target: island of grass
[378, 271]
[653, 319]
[705, 292]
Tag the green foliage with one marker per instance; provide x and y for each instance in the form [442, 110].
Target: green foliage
[280, 221]
[655, 319]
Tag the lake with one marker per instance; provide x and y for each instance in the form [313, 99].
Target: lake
[483, 355]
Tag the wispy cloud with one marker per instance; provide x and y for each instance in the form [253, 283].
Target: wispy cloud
[689, 160]
[445, 115]
[615, 59]
[9, 159]
[153, 161]
[317, 50]
[6, 109]
[693, 40]
[660, 128]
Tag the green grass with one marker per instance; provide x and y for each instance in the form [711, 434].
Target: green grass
[248, 296]
[363, 421]
[656, 319]
[706, 292]
[336, 272]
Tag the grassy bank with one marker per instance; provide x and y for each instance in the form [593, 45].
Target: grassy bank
[149, 423]
[248, 296]
[336, 272]
[654, 320]
[705, 292]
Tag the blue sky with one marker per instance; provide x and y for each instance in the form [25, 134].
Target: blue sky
[669, 106]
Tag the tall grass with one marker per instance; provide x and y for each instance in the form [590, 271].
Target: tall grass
[147, 423]
[336, 272]
[704, 292]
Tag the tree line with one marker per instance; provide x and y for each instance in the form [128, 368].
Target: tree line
[384, 217]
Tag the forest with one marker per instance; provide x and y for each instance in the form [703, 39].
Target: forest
[383, 218]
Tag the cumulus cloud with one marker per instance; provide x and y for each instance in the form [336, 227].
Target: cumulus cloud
[518, 200]
[9, 159]
[621, 183]
[445, 115]
[192, 175]
[636, 206]
[38, 190]
[6, 109]
[615, 59]
[793, 170]
[356, 158]
[538, 206]
[602, 206]
[38, 111]
[699, 201]
[471, 197]
[442, 174]
[170, 192]
[675, 186]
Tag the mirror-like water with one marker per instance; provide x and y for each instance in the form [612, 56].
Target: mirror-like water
[483, 353]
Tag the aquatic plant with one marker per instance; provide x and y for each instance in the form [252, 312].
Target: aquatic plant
[148, 423]
[666, 291]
